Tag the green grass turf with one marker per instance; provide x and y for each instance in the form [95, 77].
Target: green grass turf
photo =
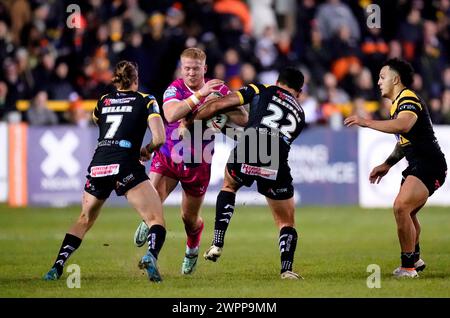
[335, 247]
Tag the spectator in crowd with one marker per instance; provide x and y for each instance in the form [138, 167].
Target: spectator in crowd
[20, 12]
[446, 78]
[42, 74]
[39, 114]
[23, 58]
[431, 59]
[418, 87]
[332, 99]
[267, 54]
[77, 115]
[248, 74]
[317, 57]
[395, 50]
[262, 15]
[446, 106]
[285, 11]
[436, 114]
[326, 36]
[310, 105]
[410, 34]
[374, 50]
[236, 8]
[4, 107]
[334, 15]
[60, 87]
[232, 69]
[17, 88]
[346, 53]
[364, 86]
[5, 41]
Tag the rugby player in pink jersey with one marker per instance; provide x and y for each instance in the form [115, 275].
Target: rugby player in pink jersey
[167, 169]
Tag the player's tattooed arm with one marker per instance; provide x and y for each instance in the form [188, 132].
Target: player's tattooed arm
[395, 156]
[221, 104]
[239, 116]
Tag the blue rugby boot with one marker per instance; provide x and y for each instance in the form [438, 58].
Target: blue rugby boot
[52, 274]
[148, 262]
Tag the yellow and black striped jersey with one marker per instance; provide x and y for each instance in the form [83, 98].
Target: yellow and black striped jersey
[419, 144]
[273, 112]
[272, 107]
[122, 118]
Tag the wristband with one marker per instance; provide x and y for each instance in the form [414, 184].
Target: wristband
[187, 103]
[195, 99]
[198, 95]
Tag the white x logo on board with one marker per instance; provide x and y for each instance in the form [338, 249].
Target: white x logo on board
[59, 154]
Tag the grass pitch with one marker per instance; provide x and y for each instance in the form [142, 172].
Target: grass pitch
[336, 244]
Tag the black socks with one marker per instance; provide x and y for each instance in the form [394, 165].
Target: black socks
[407, 260]
[68, 246]
[156, 237]
[287, 244]
[224, 212]
[417, 253]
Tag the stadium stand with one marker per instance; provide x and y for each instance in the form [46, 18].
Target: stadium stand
[49, 46]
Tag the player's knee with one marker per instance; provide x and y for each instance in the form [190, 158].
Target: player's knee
[401, 207]
[228, 188]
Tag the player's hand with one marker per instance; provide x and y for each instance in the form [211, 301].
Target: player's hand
[210, 87]
[183, 128]
[213, 96]
[145, 155]
[355, 120]
[378, 173]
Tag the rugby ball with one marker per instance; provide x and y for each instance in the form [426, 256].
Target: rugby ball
[217, 122]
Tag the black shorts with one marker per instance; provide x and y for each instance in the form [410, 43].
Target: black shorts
[432, 177]
[279, 188]
[102, 179]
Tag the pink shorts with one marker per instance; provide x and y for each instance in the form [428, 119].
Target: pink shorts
[194, 180]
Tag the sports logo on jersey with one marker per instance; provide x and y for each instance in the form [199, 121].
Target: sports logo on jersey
[104, 171]
[281, 94]
[107, 102]
[259, 171]
[170, 92]
[124, 144]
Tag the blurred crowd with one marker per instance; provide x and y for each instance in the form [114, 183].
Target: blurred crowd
[49, 52]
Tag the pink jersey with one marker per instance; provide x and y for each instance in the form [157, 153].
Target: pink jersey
[178, 91]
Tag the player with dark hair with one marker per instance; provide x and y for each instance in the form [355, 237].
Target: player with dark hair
[184, 95]
[122, 118]
[427, 168]
[276, 118]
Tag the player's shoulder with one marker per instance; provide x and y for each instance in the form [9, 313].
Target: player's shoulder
[106, 96]
[176, 87]
[256, 87]
[177, 84]
[145, 96]
[409, 94]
